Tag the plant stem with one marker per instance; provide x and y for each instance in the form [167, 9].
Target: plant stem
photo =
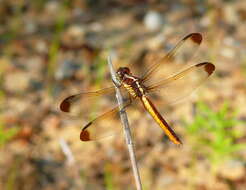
[127, 131]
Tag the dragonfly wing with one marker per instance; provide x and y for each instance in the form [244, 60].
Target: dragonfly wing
[182, 84]
[100, 108]
[68, 104]
[182, 52]
[103, 126]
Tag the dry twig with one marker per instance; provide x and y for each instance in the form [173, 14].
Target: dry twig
[126, 127]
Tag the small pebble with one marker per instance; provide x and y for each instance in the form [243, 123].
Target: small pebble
[228, 53]
[17, 82]
[153, 20]
[233, 170]
[66, 70]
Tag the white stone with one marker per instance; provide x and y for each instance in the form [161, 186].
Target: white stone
[153, 20]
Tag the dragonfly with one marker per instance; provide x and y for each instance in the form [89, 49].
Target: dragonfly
[171, 89]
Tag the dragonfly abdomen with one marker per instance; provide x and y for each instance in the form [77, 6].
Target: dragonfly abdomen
[160, 120]
[131, 90]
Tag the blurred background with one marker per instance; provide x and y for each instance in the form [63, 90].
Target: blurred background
[50, 49]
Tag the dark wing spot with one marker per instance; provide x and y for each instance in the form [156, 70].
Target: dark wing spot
[195, 37]
[85, 135]
[209, 67]
[65, 105]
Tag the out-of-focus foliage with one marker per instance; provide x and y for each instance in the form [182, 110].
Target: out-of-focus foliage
[214, 133]
[6, 134]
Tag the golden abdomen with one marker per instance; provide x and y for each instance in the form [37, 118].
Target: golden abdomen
[130, 90]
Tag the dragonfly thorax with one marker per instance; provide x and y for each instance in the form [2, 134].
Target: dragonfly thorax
[132, 84]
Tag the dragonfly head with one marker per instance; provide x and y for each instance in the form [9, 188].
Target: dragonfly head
[122, 71]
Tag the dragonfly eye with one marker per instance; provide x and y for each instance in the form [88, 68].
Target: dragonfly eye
[122, 71]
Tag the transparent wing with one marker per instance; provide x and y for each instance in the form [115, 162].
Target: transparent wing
[98, 112]
[182, 52]
[103, 126]
[85, 102]
[182, 84]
